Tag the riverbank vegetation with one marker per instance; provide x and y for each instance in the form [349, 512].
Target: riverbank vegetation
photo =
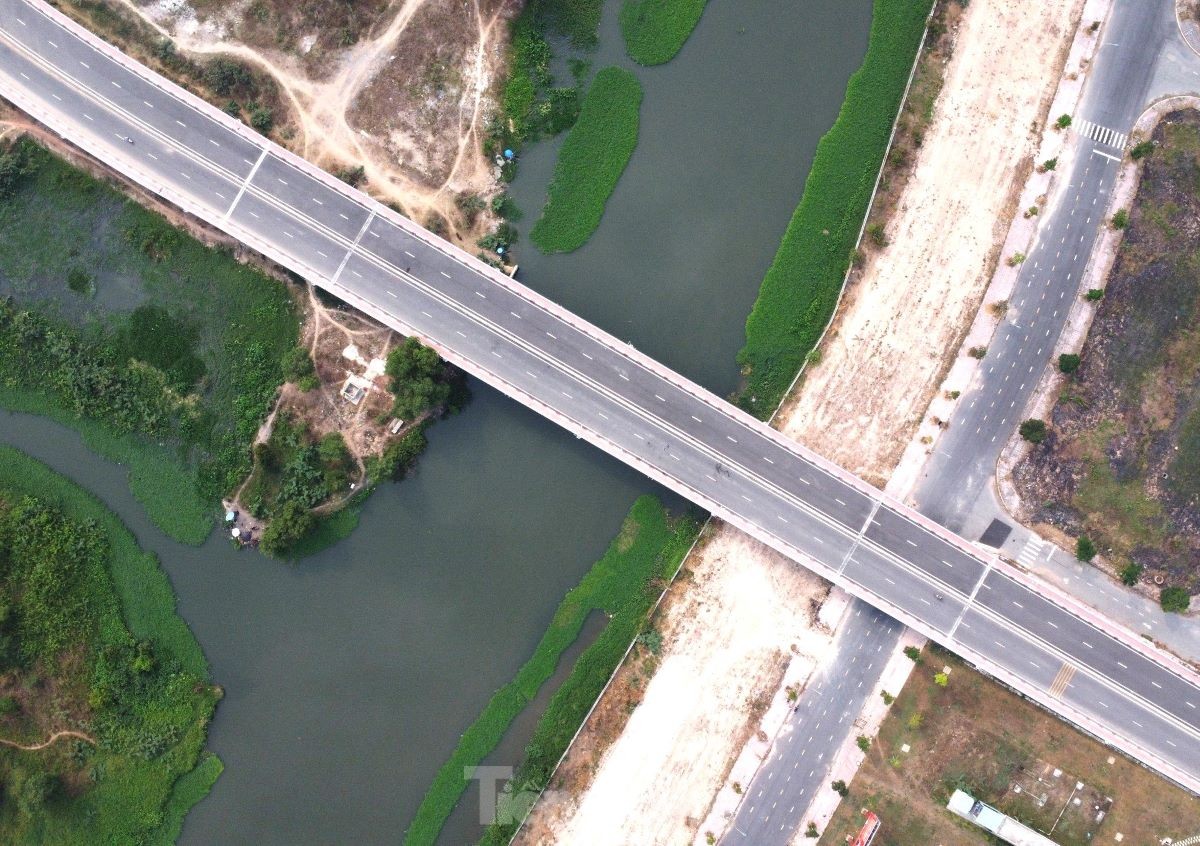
[531, 105]
[623, 585]
[174, 351]
[801, 287]
[90, 643]
[655, 30]
[1119, 463]
[591, 160]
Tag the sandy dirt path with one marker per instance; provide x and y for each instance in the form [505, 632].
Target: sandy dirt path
[58, 735]
[901, 323]
[324, 108]
[897, 330]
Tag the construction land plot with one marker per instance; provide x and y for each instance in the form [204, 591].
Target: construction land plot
[976, 736]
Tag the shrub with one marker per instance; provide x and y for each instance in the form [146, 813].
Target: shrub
[261, 118]
[840, 788]
[1050, 164]
[877, 235]
[1085, 550]
[1120, 219]
[223, 75]
[591, 160]
[811, 831]
[1015, 259]
[1063, 122]
[800, 288]
[79, 280]
[941, 679]
[8, 705]
[1174, 599]
[914, 722]
[1068, 362]
[297, 364]
[1033, 430]
[977, 352]
[1130, 574]
[353, 176]
[1094, 295]
[864, 743]
[888, 699]
[1141, 150]
[913, 654]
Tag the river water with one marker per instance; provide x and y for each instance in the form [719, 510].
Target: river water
[350, 675]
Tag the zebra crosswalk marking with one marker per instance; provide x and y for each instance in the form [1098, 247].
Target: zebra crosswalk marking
[1030, 552]
[1102, 134]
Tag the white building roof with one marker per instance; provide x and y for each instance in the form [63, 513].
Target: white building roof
[988, 818]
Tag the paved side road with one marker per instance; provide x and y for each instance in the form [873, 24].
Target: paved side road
[798, 766]
[601, 389]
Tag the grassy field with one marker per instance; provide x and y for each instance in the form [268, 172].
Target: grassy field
[623, 584]
[655, 30]
[89, 640]
[801, 287]
[164, 353]
[977, 736]
[591, 160]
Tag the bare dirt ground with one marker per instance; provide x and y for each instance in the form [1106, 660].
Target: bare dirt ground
[729, 624]
[402, 88]
[905, 313]
[976, 736]
[897, 331]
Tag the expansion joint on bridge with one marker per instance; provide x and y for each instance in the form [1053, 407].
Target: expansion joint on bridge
[245, 185]
[353, 247]
[858, 538]
[991, 562]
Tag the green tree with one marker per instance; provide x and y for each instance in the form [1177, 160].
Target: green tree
[840, 788]
[1174, 599]
[1033, 430]
[864, 742]
[1063, 121]
[288, 526]
[1130, 573]
[1085, 550]
[1068, 362]
[913, 654]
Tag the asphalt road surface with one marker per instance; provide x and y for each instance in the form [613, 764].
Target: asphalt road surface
[599, 388]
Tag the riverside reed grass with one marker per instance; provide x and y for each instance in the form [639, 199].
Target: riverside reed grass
[655, 30]
[623, 585]
[801, 287]
[592, 158]
[131, 665]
